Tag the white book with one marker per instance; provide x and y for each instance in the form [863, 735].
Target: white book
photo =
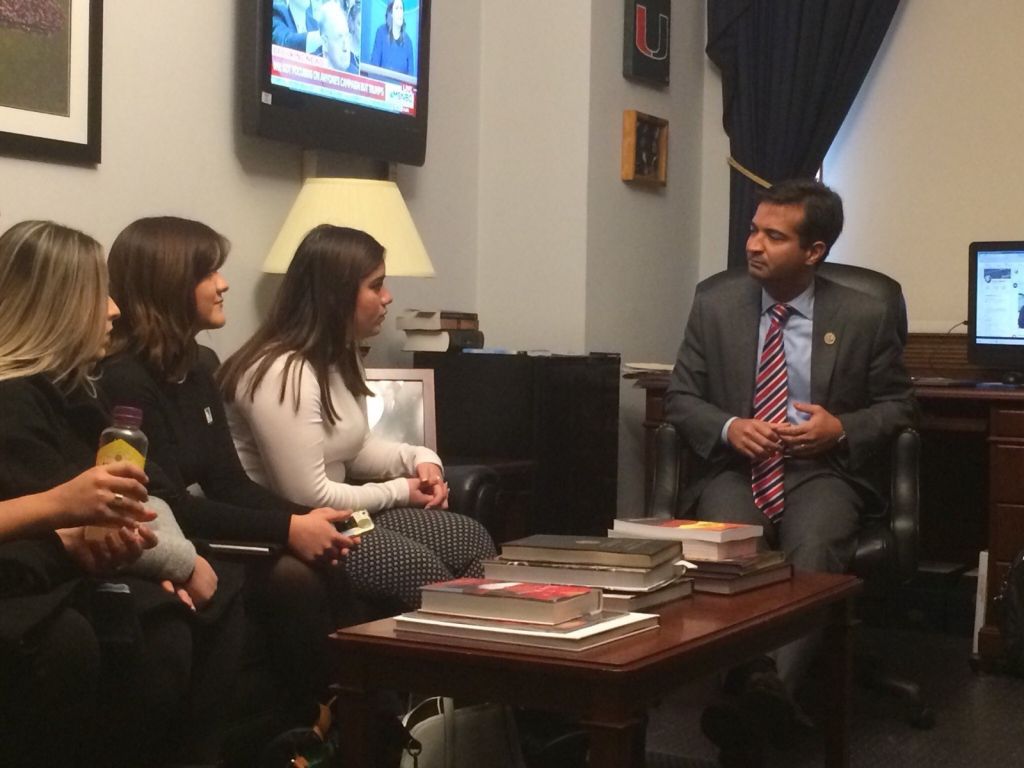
[668, 528]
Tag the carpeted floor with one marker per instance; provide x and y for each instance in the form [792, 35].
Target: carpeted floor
[979, 722]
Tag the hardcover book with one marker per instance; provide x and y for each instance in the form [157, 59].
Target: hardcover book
[741, 565]
[442, 341]
[604, 576]
[514, 600]
[640, 601]
[723, 584]
[591, 550]
[574, 635]
[661, 528]
[436, 320]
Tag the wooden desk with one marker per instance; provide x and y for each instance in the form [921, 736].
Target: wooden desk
[608, 688]
[975, 464]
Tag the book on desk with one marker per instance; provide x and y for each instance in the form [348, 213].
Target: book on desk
[591, 550]
[513, 600]
[577, 634]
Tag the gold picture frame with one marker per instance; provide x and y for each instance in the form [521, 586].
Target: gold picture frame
[644, 148]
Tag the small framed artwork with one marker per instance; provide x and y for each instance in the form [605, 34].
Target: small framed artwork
[402, 409]
[51, 78]
[644, 148]
[645, 41]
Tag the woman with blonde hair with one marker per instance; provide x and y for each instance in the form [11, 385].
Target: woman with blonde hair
[296, 397]
[55, 318]
[165, 276]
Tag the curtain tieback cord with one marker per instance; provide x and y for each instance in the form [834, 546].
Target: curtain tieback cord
[748, 173]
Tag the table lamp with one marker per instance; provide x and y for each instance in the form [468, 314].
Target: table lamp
[372, 205]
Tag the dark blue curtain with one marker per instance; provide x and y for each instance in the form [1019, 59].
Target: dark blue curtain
[790, 72]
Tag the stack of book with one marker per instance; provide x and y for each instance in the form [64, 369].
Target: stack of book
[442, 330]
[730, 577]
[552, 616]
[725, 556]
[701, 540]
[633, 573]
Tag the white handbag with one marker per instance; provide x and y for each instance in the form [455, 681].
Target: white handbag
[463, 737]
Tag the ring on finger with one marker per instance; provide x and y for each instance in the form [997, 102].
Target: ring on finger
[119, 498]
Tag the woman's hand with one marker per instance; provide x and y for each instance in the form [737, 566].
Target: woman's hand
[111, 495]
[202, 584]
[314, 537]
[428, 487]
[200, 587]
[120, 547]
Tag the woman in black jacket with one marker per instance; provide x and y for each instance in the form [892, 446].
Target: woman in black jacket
[164, 275]
[166, 667]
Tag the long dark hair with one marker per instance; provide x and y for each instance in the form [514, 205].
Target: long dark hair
[311, 318]
[155, 265]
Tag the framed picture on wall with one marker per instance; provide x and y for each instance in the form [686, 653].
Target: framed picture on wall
[50, 81]
[644, 148]
[645, 41]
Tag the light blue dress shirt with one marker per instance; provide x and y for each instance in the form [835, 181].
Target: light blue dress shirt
[796, 340]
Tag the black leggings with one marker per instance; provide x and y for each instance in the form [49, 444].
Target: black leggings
[294, 606]
[49, 695]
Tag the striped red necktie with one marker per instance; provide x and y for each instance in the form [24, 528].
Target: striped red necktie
[771, 395]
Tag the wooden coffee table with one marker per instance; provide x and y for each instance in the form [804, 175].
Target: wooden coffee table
[608, 688]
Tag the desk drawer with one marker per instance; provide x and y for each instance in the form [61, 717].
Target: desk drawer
[1006, 473]
[1006, 423]
[1006, 537]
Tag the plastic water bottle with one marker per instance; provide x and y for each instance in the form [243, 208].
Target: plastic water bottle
[121, 441]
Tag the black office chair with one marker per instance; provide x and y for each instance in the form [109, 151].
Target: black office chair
[887, 546]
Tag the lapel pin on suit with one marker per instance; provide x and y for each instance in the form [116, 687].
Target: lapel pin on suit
[830, 338]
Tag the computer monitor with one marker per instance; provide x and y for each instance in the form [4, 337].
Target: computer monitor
[995, 311]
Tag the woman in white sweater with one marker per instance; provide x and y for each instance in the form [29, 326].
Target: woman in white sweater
[296, 399]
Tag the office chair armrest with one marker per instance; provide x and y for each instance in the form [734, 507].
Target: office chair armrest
[904, 501]
[665, 479]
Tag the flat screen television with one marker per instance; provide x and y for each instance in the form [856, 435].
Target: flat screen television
[995, 307]
[345, 75]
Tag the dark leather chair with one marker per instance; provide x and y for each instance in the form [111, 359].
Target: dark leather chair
[887, 546]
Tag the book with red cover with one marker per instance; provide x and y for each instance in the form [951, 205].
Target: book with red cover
[661, 528]
[511, 600]
[577, 634]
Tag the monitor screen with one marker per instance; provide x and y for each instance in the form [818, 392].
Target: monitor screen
[995, 320]
[346, 75]
[356, 52]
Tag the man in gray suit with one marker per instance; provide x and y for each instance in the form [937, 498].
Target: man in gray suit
[844, 394]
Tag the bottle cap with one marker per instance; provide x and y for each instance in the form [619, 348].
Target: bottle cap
[127, 415]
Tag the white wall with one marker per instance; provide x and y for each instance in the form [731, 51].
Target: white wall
[442, 195]
[534, 107]
[642, 242]
[930, 157]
